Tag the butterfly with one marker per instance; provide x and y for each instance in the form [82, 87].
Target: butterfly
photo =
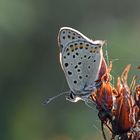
[81, 59]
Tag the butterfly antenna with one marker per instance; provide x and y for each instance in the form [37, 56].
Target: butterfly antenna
[48, 100]
[107, 56]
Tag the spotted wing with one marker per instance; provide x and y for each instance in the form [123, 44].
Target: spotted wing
[80, 59]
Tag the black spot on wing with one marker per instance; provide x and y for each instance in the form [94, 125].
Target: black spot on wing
[66, 64]
[69, 73]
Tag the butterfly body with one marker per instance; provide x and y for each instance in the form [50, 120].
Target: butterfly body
[80, 59]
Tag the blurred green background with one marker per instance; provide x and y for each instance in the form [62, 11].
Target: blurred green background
[30, 70]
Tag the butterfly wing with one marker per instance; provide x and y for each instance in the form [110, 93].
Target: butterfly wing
[80, 58]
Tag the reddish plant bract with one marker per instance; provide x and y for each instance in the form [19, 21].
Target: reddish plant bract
[117, 107]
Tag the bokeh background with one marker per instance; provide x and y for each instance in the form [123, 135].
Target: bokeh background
[30, 70]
